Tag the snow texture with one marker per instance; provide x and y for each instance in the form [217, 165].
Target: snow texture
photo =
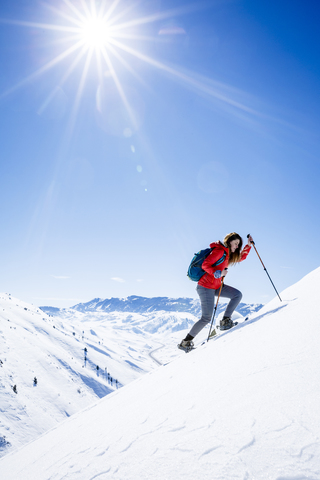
[243, 406]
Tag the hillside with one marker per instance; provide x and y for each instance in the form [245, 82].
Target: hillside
[244, 406]
[76, 356]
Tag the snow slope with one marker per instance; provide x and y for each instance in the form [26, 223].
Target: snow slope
[34, 345]
[243, 406]
[123, 345]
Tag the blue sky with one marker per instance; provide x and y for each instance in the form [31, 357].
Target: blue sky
[202, 119]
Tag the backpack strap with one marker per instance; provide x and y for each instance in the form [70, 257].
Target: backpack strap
[218, 262]
[222, 259]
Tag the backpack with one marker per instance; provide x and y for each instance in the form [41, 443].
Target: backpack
[195, 271]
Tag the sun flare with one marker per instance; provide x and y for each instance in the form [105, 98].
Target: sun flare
[102, 36]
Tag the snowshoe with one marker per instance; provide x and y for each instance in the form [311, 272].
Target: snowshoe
[213, 333]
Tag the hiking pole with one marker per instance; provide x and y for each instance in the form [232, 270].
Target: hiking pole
[215, 309]
[264, 267]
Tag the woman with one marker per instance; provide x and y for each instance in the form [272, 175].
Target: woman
[210, 283]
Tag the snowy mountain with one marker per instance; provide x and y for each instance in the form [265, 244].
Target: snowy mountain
[156, 314]
[243, 406]
[76, 355]
[136, 304]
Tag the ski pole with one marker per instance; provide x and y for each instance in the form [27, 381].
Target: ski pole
[215, 309]
[264, 267]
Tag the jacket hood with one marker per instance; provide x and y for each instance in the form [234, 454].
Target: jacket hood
[219, 244]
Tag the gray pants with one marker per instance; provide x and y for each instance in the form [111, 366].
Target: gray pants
[207, 297]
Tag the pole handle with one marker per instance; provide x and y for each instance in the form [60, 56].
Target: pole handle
[248, 237]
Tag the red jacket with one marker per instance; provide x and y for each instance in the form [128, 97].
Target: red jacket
[208, 280]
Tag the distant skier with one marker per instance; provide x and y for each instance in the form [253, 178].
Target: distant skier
[210, 283]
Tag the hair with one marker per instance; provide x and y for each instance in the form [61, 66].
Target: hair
[234, 257]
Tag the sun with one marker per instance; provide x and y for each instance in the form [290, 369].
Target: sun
[95, 33]
[98, 38]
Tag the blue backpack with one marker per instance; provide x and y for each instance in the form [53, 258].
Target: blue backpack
[195, 271]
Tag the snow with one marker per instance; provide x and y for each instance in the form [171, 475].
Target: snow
[120, 347]
[243, 406]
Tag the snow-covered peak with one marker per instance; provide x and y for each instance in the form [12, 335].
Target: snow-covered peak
[136, 304]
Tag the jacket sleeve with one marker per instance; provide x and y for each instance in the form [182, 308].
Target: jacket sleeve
[245, 253]
[214, 256]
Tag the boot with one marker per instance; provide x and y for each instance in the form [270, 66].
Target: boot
[186, 344]
[226, 323]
